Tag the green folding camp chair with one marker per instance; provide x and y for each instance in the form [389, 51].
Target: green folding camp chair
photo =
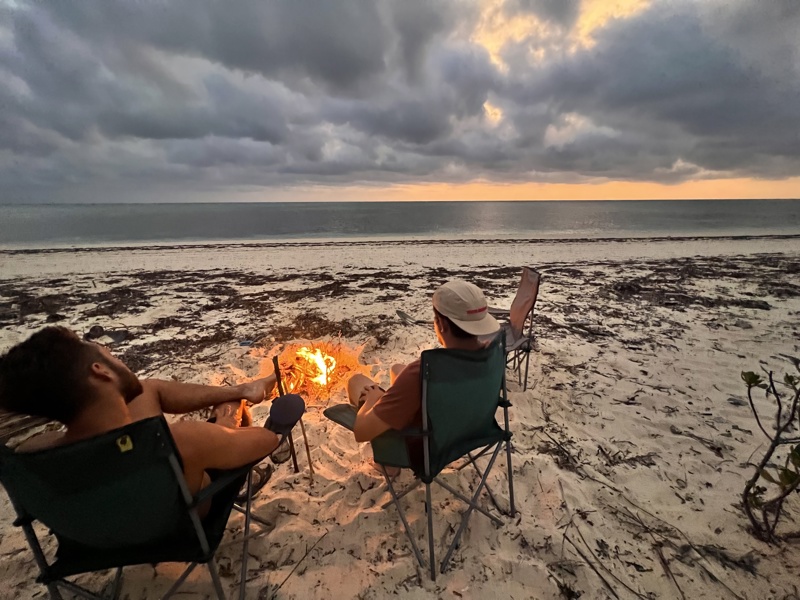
[120, 499]
[461, 393]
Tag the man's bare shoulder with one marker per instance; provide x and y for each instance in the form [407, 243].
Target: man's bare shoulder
[146, 404]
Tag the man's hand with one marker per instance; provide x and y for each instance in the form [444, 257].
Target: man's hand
[258, 390]
[369, 396]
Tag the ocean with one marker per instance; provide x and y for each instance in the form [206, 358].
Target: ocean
[90, 225]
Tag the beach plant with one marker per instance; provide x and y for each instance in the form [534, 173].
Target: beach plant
[777, 474]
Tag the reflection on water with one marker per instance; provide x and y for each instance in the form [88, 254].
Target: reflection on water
[44, 225]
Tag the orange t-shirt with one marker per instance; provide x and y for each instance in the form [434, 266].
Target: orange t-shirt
[401, 405]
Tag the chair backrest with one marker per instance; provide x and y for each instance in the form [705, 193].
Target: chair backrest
[461, 394]
[525, 300]
[116, 490]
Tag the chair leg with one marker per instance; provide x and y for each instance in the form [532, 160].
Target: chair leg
[78, 590]
[468, 513]
[472, 458]
[488, 489]
[429, 510]
[212, 568]
[38, 555]
[403, 494]
[515, 364]
[410, 535]
[246, 540]
[55, 594]
[466, 500]
[510, 478]
[293, 453]
[256, 518]
[116, 587]
[179, 581]
[527, 365]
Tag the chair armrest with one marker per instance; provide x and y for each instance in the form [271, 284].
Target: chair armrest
[345, 415]
[342, 414]
[518, 343]
[499, 312]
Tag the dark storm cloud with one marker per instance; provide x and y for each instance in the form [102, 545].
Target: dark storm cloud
[665, 74]
[339, 42]
[561, 12]
[112, 94]
[429, 111]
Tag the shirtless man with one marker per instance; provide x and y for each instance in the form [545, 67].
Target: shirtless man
[56, 375]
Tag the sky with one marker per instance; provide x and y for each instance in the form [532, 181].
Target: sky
[259, 100]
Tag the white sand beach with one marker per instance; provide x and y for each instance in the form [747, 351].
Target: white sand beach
[631, 445]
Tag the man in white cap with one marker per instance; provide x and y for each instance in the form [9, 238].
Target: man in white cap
[460, 317]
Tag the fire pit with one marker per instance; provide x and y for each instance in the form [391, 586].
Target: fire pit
[318, 369]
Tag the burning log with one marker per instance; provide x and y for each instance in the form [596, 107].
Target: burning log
[318, 369]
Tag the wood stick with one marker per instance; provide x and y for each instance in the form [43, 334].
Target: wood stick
[308, 450]
[277, 368]
[298, 563]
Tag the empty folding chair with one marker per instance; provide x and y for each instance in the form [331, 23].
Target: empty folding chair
[519, 326]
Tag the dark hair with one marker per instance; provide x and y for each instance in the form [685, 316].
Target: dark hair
[47, 375]
[455, 329]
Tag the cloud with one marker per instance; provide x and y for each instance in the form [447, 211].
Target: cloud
[663, 73]
[561, 12]
[139, 98]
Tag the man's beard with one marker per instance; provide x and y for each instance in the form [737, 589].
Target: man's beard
[129, 385]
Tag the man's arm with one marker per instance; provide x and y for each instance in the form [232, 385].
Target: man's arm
[178, 398]
[368, 425]
[396, 408]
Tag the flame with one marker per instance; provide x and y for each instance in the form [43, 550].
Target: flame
[316, 369]
[325, 364]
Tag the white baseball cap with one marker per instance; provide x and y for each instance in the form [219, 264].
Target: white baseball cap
[465, 305]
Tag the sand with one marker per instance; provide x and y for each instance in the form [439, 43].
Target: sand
[631, 444]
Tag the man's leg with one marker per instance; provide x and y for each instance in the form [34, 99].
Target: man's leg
[395, 371]
[236, 414]
[359, 385]
[359, 389]
[232, 414]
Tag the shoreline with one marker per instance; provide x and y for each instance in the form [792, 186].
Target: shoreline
[364, 241]
[319, 257]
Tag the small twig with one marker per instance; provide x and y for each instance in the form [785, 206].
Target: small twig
[683, 535]
[657, 547]
[608, 586]
[588, 548]
[302, 558]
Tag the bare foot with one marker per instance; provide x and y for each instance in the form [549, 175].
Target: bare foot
[258, 390]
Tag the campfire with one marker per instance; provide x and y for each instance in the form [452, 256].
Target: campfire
[316, 370]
